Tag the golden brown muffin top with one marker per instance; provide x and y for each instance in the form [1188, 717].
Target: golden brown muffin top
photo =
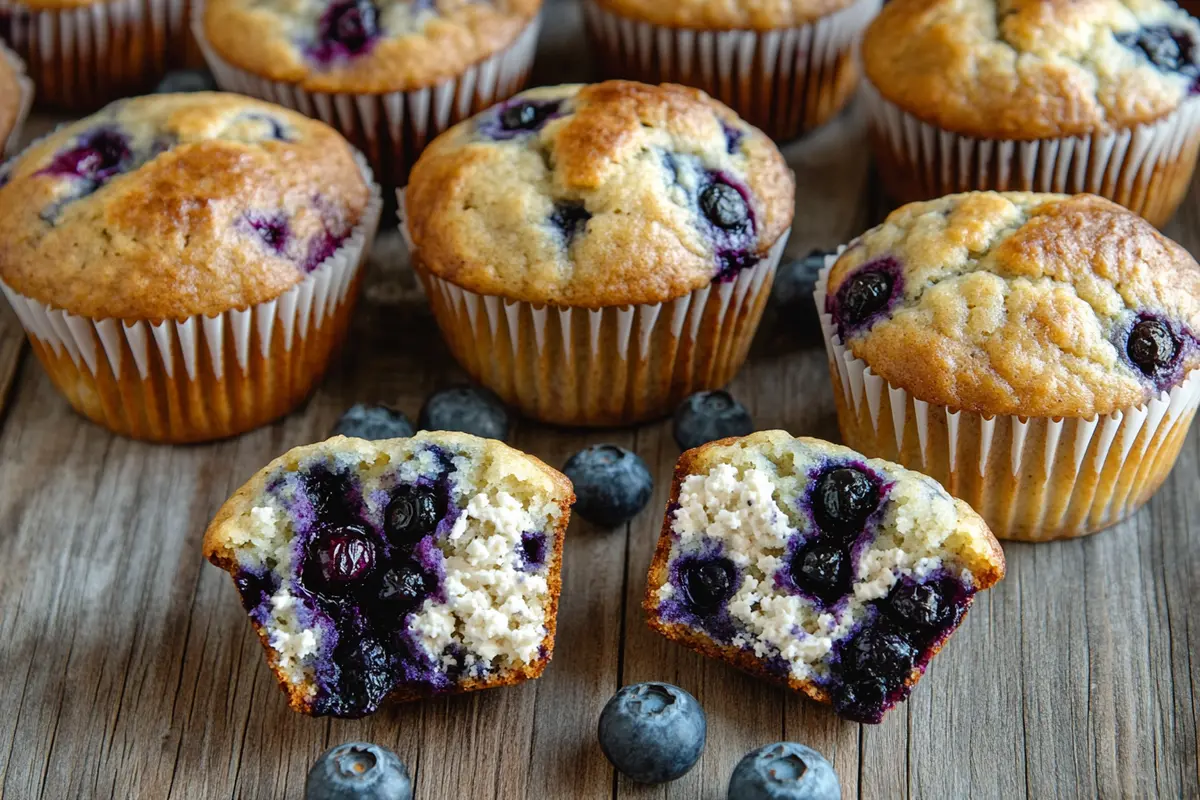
[168, 206]
[11, 93]
[1035, 305]
[600, 195]
[362, 46]
[1031, 69]
[759, 15]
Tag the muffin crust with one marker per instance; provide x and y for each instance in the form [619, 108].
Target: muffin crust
[724, 15]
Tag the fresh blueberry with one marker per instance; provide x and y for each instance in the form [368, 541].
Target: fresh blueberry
[708, 584]
[863, 296]
[881, 654]
[1167, 48]
[724, 206]
[843, 499]
[411, 514]
[784, 771]
[339, 557]
[358, 771]
[373, 423]
[707, 416]
[1152, 347]
[186, 80]
[469, 409]
[822, 570]
[611, 484]
[652, 732]
[918, 604]
[796, 281]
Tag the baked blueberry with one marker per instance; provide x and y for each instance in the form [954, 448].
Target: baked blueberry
[863, 296]
[401, 589]
[920, 605]
[97, 156]
[652, 732]
[611, 484]
[724, 206]
[329, 493]
[823, 570]
[367, 677]
[411, 514]
[527, 115]
[533, 550]
[1152, 347]
[707, 584]
[338, 558]
[843, 499]
[707, 416]
[883, 654]
[861, 700]
[1169, 49]
[468, 409]
[570, 219]
[373, 423]
[255, 588]
[784, 771]
[733, 138]
[186, 80]
[358, 771]
[272, 229]
[347, 28]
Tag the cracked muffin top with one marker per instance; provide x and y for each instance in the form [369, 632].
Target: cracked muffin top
[601, 195]
[169, 206]
[757, 15]
[362, 45]
[1012, 303]
[1031, 69]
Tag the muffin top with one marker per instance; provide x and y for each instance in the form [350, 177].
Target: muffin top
[1031, 69]
[601, 195]
[362, 45]
[12, 93]
[726, 14]
[1020, 304]
[168, 206]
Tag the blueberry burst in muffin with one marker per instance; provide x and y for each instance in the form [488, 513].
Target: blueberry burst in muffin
[807, 564]
[397, 569]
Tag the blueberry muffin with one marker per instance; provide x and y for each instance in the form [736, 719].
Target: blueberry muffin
[1038, 351]
[594, 254]
[397, 569]
[1044, 95]
[185, 264]
[809, 565]
[389, 74]
[16, 95]
[784, 67]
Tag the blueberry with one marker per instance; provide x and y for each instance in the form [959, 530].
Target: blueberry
[611, 484]
[527, 115]
[186, 80]
[784, 771]
[918, 604]
[1169, 49]
[533, 550]
[823, 570]
[724, 206]
[843, 499]
[402, 589]
[881, 654]
[366, 678]
[358, 771]
[863, 296]
[273, 229]
[708, 584]
[470, 409]
[733, 137]
[1151, 346]
[255, 589]
[411, 514]
[97, 156]
[796, 281]
[353, 25]
[328, 492]
[339, 557]
[570, 219]
[373, 423]
[652, 732]
[707, 416]
[862, 700]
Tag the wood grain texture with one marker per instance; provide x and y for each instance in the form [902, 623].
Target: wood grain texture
[130, 670]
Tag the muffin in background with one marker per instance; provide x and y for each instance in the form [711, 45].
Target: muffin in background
[1091, 96]
[186, 264]
[16, 96]
[786, 68]
[390, 75]
[594, 254]
[1036, 354]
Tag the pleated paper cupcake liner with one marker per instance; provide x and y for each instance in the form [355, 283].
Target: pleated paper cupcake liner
[784, 81]
[24, 102]
[1147, 168]
[392, 128]
[81, 58]
[1030, 478]
[203, 377]
[601, 366]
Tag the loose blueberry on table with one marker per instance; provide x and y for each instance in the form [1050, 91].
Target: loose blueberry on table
[611, 484]
[653, 732]
[707, 416]
[796, 280]
[358, 771]
[468, 409]
[373, 423]
[784, 771]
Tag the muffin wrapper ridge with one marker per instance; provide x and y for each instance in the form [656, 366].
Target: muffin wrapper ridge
[784, 81]
[203, 377]
[25, 102]
[1147, 168]
[81, 58]
[391, 129]
[601, 366]
[1030, 478]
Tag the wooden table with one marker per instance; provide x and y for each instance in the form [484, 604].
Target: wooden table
[128, 669]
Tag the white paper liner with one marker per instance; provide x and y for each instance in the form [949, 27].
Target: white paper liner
[392, 128]
[83, 57]
[601, 366]
[1031, 478]
[784, 81]
[207, 352]
[1147, 169]
[24, 102]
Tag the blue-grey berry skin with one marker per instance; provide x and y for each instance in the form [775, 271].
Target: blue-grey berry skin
[358, 771]
[653, 732]
[467, 409]
[792, 293]
[707, 416]
[373, 423]
[611, 484]
[186, 80]
[784, 771]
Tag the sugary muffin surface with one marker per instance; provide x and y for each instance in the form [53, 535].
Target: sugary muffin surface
[599, 195]
[397, 569]
[169, 206]
[362, 46]
[763, 15]
[1029, 69]
[807, 564]
[1020, 304]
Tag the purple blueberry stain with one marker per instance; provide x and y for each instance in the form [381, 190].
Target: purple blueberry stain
[733, 137]
[348, 29]
[272, 228]
[866, 296]
[96, 156]
[533, 551]
[518, 117]
[1168, 48]
[570, 220]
